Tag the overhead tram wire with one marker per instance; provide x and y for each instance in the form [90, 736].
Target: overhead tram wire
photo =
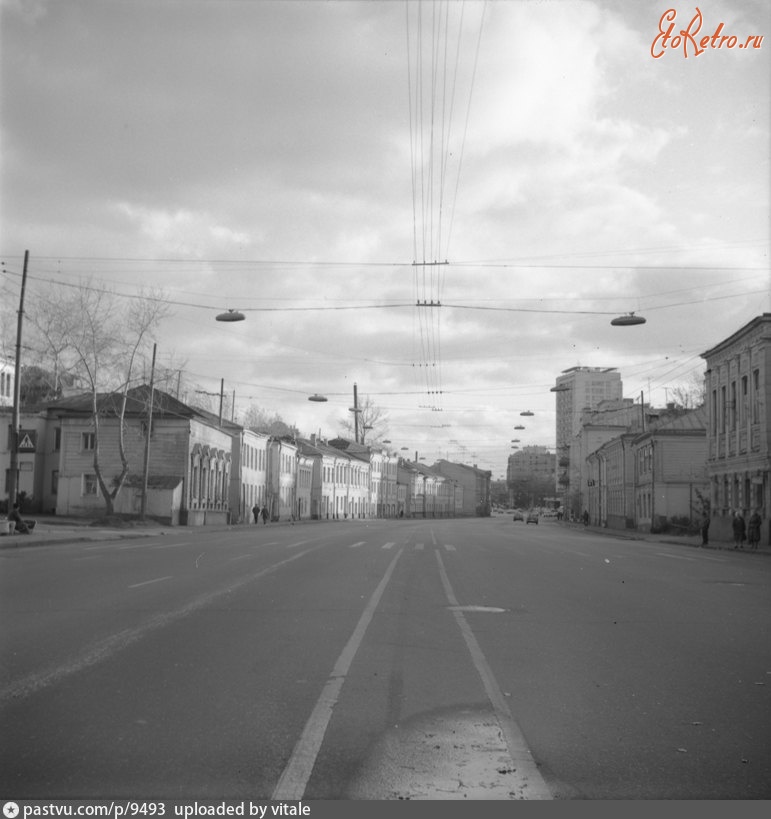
[431, 116]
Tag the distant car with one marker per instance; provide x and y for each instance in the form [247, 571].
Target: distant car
[518, 515]
[532, 517]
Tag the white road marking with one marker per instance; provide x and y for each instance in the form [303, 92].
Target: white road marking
[354, 545]
[388, 545]
[530, 781]
[294, 545]
[675, 557]
[148, 582]
[418, 547]
[449, 547]
[292, 782]
[102, 649]
[240, 557]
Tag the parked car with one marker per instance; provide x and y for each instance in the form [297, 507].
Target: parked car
[532, 517]
[518, 515]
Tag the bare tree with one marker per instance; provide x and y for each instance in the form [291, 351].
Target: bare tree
[691, 393]
[259, 420]
[373, 422]
[101, 339]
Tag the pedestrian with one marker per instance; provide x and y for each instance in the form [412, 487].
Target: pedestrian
[753, 529]
[739, 529]
[586, 517]
[256, 512]
[21, 525]
[264, 515]
[705, 529]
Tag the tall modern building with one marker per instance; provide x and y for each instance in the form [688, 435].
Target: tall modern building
[578, 389]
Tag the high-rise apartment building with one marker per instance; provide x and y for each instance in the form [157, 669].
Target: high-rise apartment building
[578, 389]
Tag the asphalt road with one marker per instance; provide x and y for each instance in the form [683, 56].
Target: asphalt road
[468, 659]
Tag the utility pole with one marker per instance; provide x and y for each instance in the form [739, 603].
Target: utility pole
[147, 442]
[222, 396]
[355, 414]
[14, 471]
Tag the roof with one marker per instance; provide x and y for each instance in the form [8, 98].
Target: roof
[137, 401]
[727, 342]
[690, 420]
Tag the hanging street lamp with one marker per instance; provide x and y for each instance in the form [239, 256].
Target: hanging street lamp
[627, 320]
[231, 315]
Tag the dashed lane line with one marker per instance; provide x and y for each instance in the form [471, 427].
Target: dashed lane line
[148, 582]
[107, 647]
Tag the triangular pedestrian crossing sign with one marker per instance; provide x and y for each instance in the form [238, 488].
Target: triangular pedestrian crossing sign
[26, 442]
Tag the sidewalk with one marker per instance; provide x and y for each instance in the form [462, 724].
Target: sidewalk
[55, 529]
[693, 541]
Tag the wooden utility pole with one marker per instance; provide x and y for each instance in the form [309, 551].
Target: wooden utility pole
[355, 414]
[146, 473]
[13, 487]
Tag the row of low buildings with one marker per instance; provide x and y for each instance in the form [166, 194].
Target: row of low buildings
[198, 469]
[630, 466]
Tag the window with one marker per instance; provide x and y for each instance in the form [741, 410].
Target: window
[88, 441]
[733, 406]
[755, 396]
[89, 484]
[57, 439]
[55, 482]
[744, 405]
[723, 419]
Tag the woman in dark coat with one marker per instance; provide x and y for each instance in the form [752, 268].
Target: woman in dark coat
[739, 530]
[753, 530]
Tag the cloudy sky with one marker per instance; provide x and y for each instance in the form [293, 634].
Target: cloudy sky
[444, 204]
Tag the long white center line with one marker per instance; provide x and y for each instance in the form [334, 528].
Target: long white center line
[291, 784]
[532, 782]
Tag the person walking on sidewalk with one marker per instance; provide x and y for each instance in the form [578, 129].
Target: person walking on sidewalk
[705, 529]
[739, 529]
[753, 529]
[264, 515]
[256, 512]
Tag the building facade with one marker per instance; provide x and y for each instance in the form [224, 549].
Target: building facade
[578, 389]
[738, 395]
[474, 484]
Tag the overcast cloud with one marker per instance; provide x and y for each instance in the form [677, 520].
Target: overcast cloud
[270, 156]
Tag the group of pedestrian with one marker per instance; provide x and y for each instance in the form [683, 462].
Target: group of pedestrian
[260, 513]
[746, 531]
